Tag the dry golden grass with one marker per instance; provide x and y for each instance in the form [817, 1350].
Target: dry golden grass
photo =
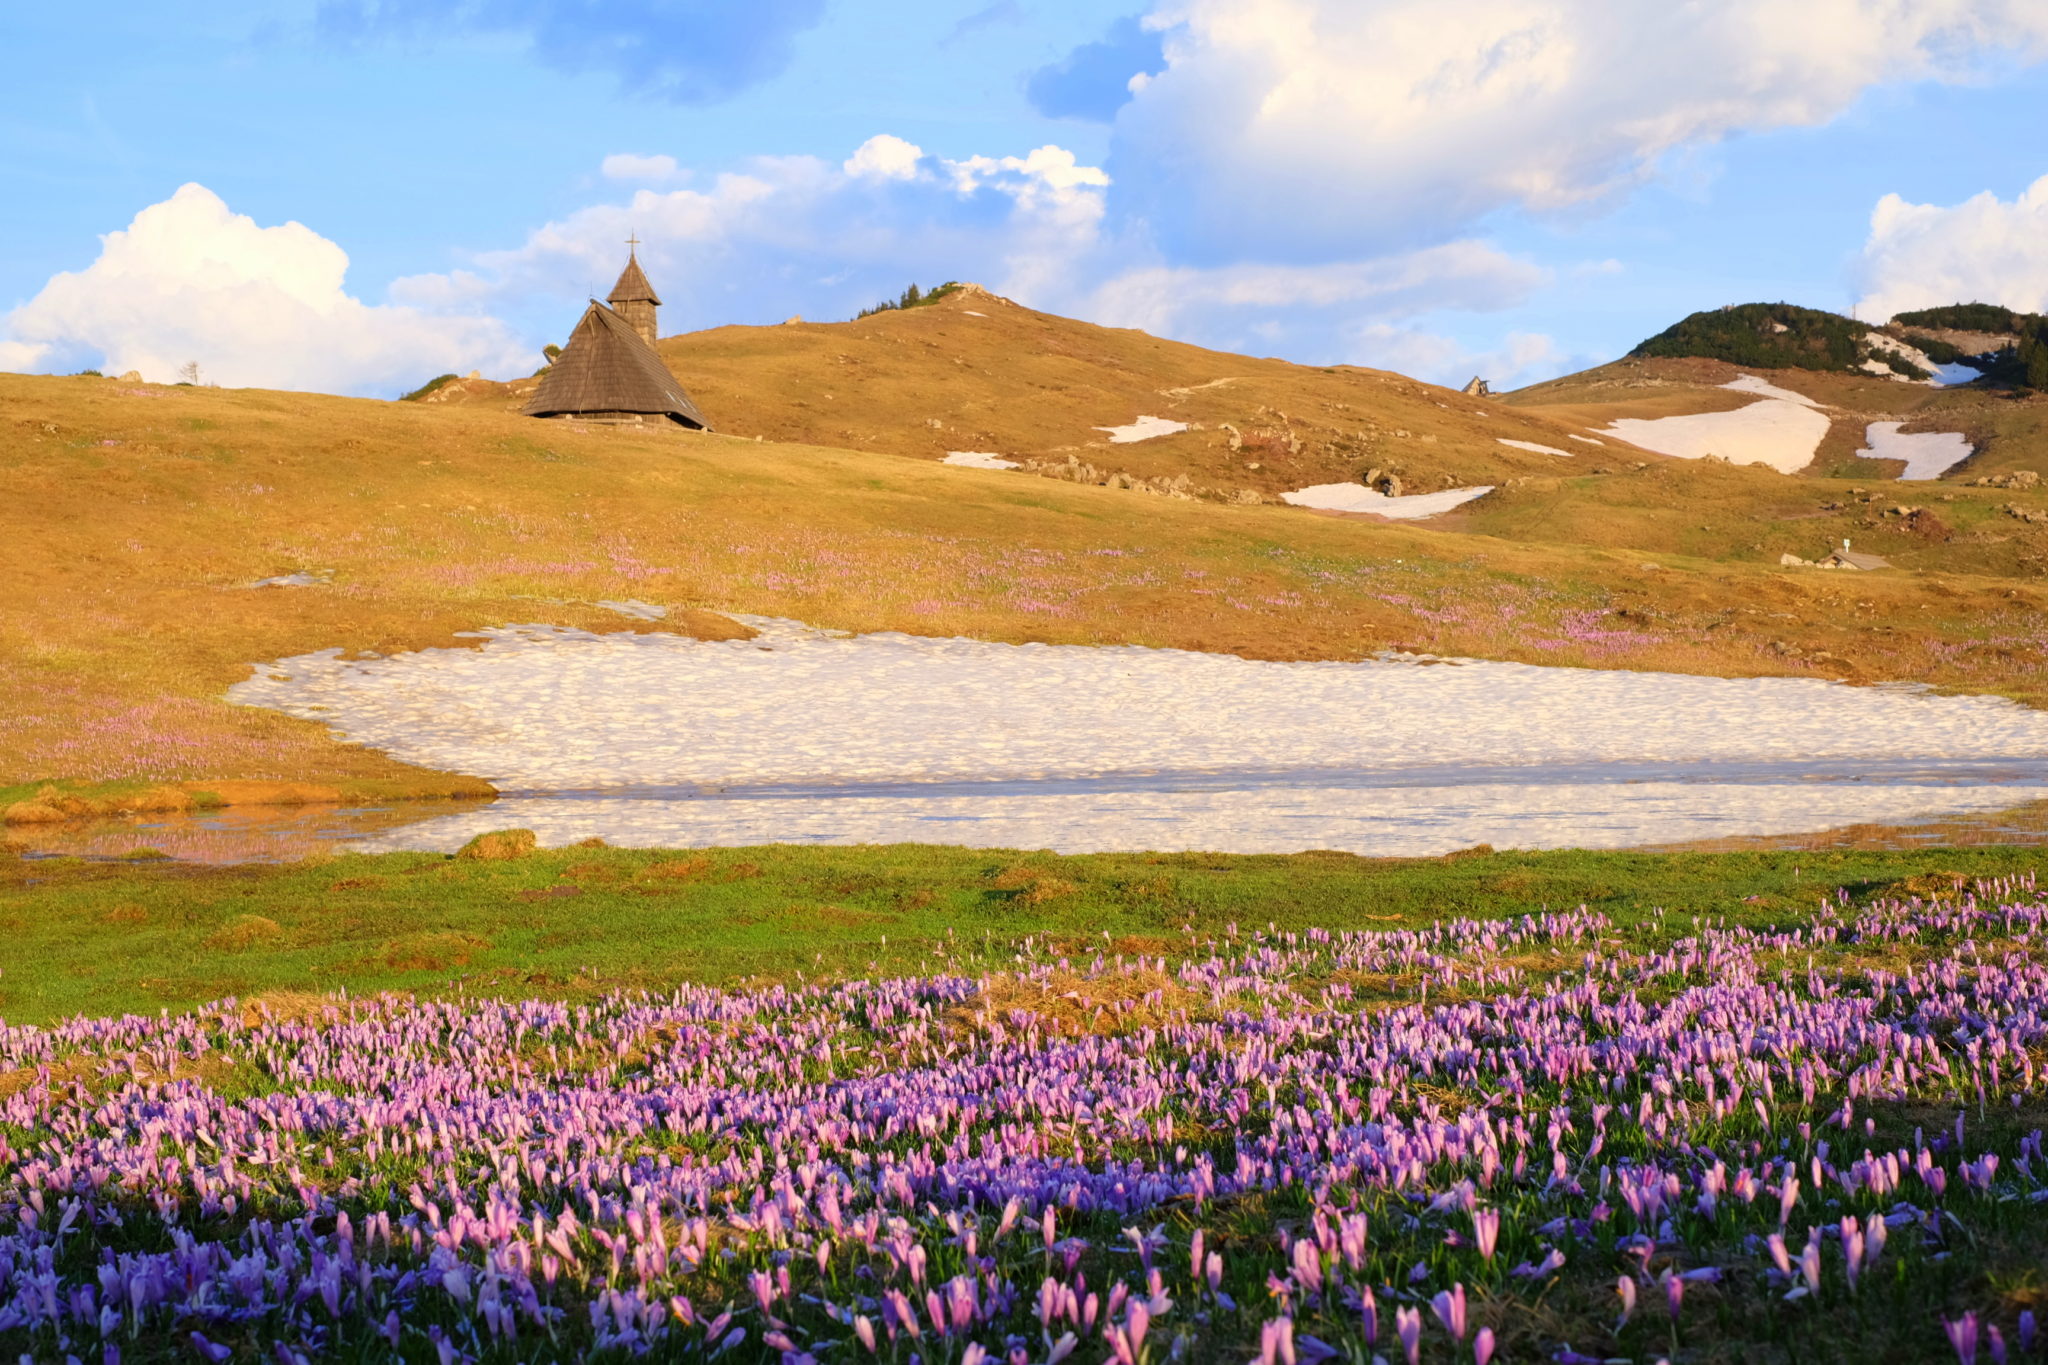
[977, 372]
[137, 517]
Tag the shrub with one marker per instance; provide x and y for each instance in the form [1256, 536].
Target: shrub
[910, 298]
[1963, 317]
[429, 387]
[1765, 335]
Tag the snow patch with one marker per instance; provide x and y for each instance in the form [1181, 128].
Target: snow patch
[1945, 376]
[1531, 445]
[1356, 497]
[1782, 431]
[978, 459]
[1763, 388]
[1144, 429]
[635, 608]
[1928, 454]
[805, 735]
[1587, 439]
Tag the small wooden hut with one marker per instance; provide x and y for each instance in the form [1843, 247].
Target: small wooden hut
[610, 372]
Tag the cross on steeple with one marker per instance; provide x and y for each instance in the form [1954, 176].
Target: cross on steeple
[633, 243]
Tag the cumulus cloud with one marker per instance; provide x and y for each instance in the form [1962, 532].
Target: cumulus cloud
[1520, 358]
[1981, 250]
[1094, 80]
[884, 157]
[626, 166]
[781, 235]
[687, 51]
[190, 280]
[777, 236]
[1461, 275]
[1333, 127]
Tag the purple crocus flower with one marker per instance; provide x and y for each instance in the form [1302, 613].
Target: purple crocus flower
[1408, 1327]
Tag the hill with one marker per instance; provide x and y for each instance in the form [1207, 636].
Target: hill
[973, 371]
[140, 520]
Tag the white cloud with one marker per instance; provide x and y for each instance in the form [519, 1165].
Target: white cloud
[1332, 127]
[256, 307]
[803, 235]
[884, 157]
[627, 166]
[21, 357]
[1521, 358]
[1981, 250]
[1466, 275]
[782, 235]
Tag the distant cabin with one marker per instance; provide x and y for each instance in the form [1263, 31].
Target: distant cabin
[610, 372]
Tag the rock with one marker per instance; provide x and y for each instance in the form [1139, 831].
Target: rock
[1792, 561]
[792, 320]
[132, 377]
[499, 846]
[1478, 388]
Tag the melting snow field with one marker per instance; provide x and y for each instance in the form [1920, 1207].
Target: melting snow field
[804, 736]
[1538, 449]
[978, 459]
[1144, 429]
[1928, 454]
[1782, 431]
[1356, 497]
[1945, 376]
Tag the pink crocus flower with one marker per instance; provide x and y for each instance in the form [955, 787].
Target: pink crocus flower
[1450, 1310]
[1962, 1334]
[1486, 1231]
[1482, 1346]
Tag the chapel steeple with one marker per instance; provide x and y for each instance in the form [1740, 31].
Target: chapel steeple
[633, 298]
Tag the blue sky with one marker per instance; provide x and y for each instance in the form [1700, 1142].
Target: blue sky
[1509, 187]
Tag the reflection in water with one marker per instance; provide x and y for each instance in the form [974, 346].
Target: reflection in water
[1396, 822]
[2022, 825]
[233, 834]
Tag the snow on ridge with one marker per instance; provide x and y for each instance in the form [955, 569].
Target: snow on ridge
[1144, 429]
[1928, 454]
[1945, 376]
[1356, 497]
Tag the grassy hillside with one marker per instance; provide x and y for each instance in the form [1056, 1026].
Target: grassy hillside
[138, 517]
[2008, 427]
[973, 371]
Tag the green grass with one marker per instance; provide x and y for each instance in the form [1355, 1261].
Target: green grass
[106, 938]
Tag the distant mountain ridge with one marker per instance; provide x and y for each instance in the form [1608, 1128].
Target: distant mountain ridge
[2011, 347]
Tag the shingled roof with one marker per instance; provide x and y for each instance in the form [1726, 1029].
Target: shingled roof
[633, 286]
[606, 370]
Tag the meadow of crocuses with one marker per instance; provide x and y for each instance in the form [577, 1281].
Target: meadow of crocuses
[1542, 1138]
